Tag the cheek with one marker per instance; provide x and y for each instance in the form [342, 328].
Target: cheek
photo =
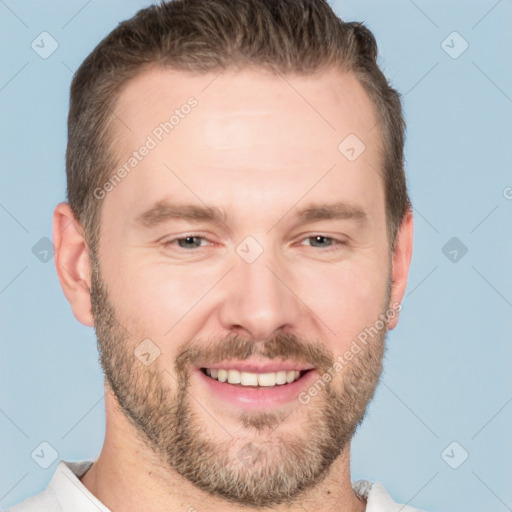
[157, 296]
[346, 298]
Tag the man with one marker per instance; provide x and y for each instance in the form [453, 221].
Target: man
[239, 234]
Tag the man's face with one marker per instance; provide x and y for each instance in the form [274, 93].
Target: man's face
[270, 285]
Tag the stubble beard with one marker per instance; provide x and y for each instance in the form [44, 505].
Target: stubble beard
[266, 462]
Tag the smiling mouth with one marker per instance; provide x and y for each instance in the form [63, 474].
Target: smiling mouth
[250, 379]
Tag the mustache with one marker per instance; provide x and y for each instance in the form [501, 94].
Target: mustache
[282, 346]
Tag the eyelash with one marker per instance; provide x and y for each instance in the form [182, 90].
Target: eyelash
[335, 242]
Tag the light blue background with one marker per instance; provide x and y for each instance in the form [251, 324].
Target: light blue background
[448, 368]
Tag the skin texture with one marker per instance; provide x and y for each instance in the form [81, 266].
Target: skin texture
[261, 150]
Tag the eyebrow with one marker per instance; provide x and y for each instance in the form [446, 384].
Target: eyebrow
[164, 211]
[336, 211]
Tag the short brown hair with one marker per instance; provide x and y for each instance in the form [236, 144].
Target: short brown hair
[288, 36]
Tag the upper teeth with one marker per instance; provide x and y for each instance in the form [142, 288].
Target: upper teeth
[253, 379]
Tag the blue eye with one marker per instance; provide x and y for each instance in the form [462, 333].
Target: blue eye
[191, 242]
[316, 241]
[187, 242]
[319, 241]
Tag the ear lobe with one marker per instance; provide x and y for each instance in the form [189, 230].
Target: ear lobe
[72, 262]
[401, 262]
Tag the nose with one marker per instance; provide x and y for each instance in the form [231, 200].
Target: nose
[258, 299]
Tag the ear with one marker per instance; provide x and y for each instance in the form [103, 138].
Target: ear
[72, 262]
[402, 255]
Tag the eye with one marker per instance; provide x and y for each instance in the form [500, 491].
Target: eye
[323, 242]
[187, 242]
[191, 242]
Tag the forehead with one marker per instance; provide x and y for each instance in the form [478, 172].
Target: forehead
[330, 103]
[270, 134]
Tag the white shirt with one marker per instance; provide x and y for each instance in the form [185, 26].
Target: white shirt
[65, 493]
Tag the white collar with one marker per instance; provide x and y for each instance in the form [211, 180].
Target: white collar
[71, 494]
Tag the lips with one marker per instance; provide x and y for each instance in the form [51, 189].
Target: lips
[254, 384]
[252, 373]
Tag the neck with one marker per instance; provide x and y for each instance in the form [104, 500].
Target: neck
[128, 477]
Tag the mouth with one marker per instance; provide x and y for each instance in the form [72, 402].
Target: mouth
[255, 387]
[254, 379]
